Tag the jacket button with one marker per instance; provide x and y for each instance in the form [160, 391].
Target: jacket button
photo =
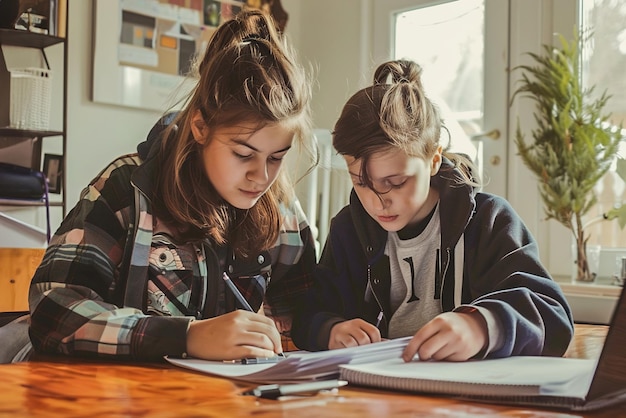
[260, 259]
[230, 269]
[369, 249]
[376, 281]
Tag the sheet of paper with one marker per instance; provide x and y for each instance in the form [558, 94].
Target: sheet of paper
[299, 366]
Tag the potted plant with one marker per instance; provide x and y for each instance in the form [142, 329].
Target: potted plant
[573, 143]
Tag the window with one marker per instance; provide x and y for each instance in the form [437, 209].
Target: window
[459, 44]
[499, 34]
[452, 67]
[604, 65]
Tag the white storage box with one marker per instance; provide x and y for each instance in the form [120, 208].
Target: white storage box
[30, 98]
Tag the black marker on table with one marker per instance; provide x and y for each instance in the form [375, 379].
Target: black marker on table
[240, 297]
[276, 391]
[261, 360]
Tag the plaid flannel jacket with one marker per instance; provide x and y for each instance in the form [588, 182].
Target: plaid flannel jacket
[105, 269]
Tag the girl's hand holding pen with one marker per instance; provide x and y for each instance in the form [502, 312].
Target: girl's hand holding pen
[234, 335]
[353, 333]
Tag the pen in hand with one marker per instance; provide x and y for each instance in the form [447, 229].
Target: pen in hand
[379, 318]
[242, 301]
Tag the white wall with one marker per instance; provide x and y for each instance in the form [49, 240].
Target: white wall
[332, 36]
[97, 133]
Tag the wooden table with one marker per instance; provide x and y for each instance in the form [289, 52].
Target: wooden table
[79, 388]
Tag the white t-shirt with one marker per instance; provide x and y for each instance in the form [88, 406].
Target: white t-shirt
[415, 266]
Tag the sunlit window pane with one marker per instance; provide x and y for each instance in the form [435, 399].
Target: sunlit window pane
[604, 65]
[447, 40]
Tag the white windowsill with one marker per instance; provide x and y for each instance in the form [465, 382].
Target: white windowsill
[600, 287]
[590, 302]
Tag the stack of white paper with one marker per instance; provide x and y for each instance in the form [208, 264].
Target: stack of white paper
[299, 366]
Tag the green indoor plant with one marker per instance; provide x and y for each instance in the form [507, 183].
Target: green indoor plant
[573, 143]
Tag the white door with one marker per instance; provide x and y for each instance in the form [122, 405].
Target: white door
[462, 46]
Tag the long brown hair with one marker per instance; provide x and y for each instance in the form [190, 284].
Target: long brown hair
[394, 112]
[248, 73]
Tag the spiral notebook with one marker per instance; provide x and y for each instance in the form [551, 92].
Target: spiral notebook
[556, 382]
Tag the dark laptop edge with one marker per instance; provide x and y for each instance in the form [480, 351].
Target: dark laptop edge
[609, 380]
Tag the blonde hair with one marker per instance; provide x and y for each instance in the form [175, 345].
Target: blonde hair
[248, 73]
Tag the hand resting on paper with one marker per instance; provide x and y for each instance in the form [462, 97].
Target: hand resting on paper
[353, 333]
[451, 336]
[232, 336]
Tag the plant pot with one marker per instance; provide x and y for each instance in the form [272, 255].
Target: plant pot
[585, 266]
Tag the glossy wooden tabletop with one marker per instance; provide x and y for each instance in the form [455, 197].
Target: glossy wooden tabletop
[95, 389]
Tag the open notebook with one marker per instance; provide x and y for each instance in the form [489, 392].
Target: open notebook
[563, 383]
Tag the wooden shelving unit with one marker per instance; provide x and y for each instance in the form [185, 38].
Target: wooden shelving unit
[19, 264]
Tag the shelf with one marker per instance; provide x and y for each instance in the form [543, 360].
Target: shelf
[15, 37]
[26, 202]
[27, 133]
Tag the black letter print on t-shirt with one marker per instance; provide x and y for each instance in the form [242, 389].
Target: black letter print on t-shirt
[413, 295]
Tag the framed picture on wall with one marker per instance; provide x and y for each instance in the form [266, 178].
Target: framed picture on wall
[144, 50]
[53, 170]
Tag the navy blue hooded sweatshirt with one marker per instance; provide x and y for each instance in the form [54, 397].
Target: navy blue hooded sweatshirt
[501, 272]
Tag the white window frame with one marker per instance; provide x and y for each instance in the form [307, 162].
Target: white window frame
[532, 23]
